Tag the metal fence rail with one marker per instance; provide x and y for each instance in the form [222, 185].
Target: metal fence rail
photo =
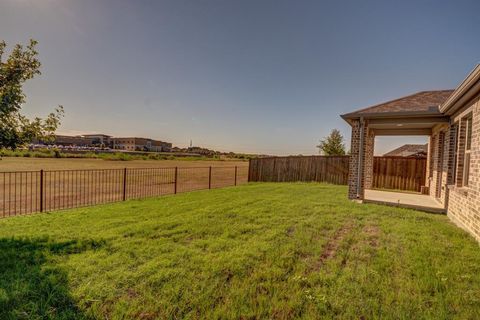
[25, 192]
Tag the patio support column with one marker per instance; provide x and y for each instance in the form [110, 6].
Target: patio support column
[356, 175]
[369, 149]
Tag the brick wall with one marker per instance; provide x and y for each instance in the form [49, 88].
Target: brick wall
[464, 202]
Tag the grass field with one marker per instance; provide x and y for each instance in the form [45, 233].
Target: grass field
[259, 251]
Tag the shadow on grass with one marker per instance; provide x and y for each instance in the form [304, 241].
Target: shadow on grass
[32, 289]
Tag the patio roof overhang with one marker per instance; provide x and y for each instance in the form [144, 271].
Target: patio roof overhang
[400, 123]
[415, 114]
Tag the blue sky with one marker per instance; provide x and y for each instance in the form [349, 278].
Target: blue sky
[263, 76]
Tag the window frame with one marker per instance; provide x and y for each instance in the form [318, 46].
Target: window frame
[468, 149]
[456, 139]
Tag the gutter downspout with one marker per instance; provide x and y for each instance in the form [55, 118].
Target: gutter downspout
[360, 156]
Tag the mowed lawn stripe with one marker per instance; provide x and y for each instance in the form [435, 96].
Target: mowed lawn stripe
[281, 251]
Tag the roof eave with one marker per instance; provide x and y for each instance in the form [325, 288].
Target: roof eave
[465, 91]
[394, 115]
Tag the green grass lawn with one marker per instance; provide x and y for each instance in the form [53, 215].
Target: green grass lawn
[259, 251]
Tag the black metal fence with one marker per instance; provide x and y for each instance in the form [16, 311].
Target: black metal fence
[24, 192]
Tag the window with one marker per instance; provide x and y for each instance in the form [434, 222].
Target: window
[464, 146]
[454, 152]
[468, 147]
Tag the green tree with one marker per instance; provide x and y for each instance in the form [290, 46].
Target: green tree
[15, 129]
[332, 145]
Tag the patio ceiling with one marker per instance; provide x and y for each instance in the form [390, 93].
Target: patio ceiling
[405, 126]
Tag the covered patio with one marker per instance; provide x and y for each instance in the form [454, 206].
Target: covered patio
[405, 200]
[414, 115]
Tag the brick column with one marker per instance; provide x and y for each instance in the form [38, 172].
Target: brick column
[369, 150]
[356, 188]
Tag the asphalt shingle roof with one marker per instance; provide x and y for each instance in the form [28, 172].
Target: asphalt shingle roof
[420, 102]
[407, 150]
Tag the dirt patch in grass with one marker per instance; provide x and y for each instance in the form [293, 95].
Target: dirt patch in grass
[332, 245]
[131, 293]
[372, 233]
[367, 243]
[290, 231]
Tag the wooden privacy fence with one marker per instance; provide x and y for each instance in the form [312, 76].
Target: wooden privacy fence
[399, 173]
[388, 172]
[304, 168]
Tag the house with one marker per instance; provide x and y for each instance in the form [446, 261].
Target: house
[409, 151]
[451, 120]
[140, 144]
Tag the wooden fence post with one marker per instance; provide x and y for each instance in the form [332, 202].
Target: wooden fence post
[124, 184]
[41, 190]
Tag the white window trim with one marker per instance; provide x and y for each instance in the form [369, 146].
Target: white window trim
[466, 165]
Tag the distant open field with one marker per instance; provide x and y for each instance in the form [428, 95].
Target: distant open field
[21, 164]
[70, 183]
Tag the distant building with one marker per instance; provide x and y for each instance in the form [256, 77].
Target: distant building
[71, 141]
[100, 139]
[104, 140]
[141, 144]
[409, 151]
[161, 146]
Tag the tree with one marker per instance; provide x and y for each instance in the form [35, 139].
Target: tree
[15, 129]
[332, 145]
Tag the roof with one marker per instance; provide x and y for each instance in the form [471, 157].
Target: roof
[420, 103]
[408, 150]
[469, 88]
[96, 135]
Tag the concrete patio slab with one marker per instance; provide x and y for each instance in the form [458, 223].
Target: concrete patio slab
[405, 200]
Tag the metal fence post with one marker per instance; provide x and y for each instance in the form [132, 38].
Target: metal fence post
[124, 184]
[176, 179]
[41, 190]
[210, 177]
[235, 175]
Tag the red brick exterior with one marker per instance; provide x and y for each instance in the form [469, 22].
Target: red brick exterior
[367, 161]
[464, 202]
[445, 165]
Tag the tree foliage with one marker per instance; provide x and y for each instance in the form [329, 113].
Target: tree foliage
[332, 145]
[15, 129]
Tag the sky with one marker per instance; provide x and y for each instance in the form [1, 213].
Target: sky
[257, 76]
